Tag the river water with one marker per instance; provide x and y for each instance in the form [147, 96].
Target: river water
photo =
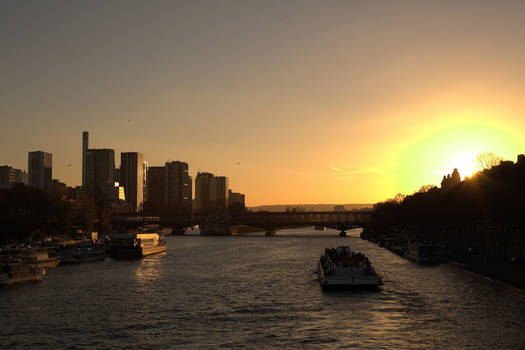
[259, 292]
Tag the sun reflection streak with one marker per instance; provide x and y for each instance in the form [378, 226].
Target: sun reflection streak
[148, 271]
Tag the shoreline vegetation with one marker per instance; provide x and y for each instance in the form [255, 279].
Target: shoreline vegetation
[480, 221]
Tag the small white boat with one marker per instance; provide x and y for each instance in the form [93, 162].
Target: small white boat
[343, 268]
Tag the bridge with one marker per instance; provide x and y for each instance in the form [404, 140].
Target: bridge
[220, 223]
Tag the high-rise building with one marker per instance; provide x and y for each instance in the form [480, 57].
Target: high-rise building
[10, 176]
[219, 192]
[116, 175]
[177, 185]
[99, 170]
[155, 188]
[202, 191]
[85, 147]
[211, 192]
[7, 175]
[40, 166]
[236, 198]
[132, 178]
[145, 167]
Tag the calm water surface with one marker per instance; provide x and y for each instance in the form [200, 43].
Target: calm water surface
[258, 292]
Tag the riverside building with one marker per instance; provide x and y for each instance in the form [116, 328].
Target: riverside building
[219, 192]
[202, 191]
[99, 171]
[10, 176]
[155, 187]
[236, 198]
[177, 185]
[40, 167]
[132, 178]
[211, 192]
[98, 168]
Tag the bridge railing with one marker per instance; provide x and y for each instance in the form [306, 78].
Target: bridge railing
[258, 219]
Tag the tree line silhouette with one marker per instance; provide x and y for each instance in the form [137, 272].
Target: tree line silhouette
[492, 199]
[28, 212]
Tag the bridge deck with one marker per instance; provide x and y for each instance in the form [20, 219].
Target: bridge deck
[270, 220]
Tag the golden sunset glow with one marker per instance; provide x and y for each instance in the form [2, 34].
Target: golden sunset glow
[442, 148]
[465, 163]
[298, 109]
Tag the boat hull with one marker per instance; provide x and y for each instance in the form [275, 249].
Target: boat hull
[78, 260]
[26, 275]
[422, 260]
[353, 283]
[48, 264]
[77, 254]
[136, 252]
[350, 283]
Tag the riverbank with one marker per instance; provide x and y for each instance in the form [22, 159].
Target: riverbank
[495, 268]
[494, 255]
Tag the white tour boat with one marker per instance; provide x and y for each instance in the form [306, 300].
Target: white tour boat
[343, 268]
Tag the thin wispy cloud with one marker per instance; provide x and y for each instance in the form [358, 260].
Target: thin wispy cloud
[355, 171]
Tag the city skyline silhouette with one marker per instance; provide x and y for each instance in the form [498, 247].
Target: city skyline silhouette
[310, 103]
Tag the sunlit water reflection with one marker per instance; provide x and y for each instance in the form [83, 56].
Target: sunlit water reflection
[258, 292]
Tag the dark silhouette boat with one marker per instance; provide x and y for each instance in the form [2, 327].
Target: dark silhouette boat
[422, 253]
[79, 252]
[342, 268]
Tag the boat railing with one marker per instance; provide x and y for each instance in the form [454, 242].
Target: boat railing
[330, 263]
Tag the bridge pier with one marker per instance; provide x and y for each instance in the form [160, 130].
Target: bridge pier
[342, 228]
[216, 224]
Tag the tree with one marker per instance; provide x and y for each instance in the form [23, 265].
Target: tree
[425, 188]
[487, 160]
[26, 210]
[399, 197]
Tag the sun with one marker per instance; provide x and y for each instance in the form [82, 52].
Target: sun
[466, 164]
[436, 153]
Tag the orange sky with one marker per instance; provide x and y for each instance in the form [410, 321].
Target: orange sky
[320, 102]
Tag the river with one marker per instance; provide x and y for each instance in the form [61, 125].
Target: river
[259, 292]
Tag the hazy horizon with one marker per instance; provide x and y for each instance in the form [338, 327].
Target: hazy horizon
[294, 101]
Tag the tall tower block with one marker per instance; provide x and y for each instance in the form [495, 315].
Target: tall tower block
[85, 147]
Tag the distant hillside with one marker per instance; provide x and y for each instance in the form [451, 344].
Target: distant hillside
[309, 207]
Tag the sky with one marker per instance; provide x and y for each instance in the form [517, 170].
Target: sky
[295, 101]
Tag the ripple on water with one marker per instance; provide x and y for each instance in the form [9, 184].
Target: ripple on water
[258, 292]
